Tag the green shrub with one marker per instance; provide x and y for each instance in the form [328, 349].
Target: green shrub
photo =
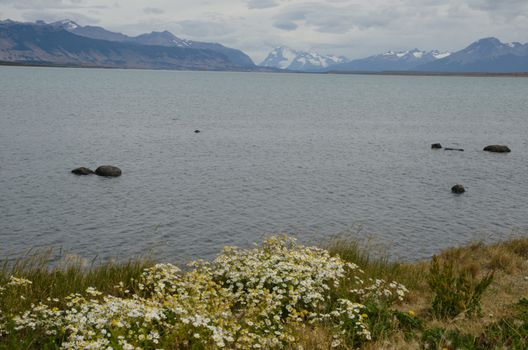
[383, 322]
[455, 291]
[432, 338]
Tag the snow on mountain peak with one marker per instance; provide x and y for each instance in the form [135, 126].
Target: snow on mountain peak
[439, 55]
[285, 58]
[415, 54]
[181, 42]
[66, 24]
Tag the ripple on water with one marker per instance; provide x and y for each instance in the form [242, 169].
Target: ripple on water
[305, 154]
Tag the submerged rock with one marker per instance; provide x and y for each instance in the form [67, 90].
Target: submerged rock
[458, 189]
[82, 171]
[197, 131]
[453, 149]
[497, 148]
[108, 170]
[436, 146]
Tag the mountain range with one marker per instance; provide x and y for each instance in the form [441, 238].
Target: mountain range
[392, 61]
[70, 44]
[488, 55]
[484, 55]
[164, 38]
[67, 43]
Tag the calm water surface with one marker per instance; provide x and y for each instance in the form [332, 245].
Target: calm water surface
[313, 155]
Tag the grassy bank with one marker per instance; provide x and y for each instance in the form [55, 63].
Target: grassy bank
[277, 295]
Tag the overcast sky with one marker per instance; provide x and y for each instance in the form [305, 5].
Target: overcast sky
[354, 28]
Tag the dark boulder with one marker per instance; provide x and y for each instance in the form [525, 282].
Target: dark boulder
[458, 189]
[82, 171]
[436, 146]
[453, 149]
[197, 131]
[497, 149]
[108, 170]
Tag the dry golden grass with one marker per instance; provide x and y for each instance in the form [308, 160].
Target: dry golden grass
[507, 260]
[314, 338]
[396, 342]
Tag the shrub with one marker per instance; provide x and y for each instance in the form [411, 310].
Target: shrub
[455, 291]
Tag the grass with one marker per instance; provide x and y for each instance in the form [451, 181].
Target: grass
[503, 319]
[71, 275]
[501, 322]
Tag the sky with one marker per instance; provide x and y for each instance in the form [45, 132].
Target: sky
[353, 28]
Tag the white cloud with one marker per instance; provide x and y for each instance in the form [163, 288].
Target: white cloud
[204, 29]
[153, 10]
[261, 4]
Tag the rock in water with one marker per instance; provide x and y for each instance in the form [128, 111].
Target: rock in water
[82, 171]
[108, 170]
[197, 131]
[458, 189]
[436, 146]
[497, 149]
[453, 149]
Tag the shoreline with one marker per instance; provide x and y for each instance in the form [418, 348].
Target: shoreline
[268, 70]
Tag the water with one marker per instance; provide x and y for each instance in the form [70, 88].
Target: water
[313, 155]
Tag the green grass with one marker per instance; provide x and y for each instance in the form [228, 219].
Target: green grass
[378, 265]
[71, 275]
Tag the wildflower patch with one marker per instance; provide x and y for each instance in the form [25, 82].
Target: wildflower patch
[245, 298]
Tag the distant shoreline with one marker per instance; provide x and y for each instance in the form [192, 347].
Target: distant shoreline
[268, 70]
[440, 74]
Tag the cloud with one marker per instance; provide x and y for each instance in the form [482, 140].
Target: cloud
[200, 28]
[503, 8]
[285, 24]
[46, 16]
[261, 4]
[48, 4]
[328, 18]
[153, 11]
[500, 6]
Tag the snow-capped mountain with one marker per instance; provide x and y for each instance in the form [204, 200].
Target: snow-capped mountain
[67, 24]
[484, 55]
[416, 54]
[286, 58]
[91, 32]
[164, 38]
[392, 61]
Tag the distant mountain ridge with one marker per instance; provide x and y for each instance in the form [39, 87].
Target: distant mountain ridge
[488, 55]
[484, 55]
[285, 58]
[392, 61]
[164, 38]
[58, 43]
[88, 31]
[68, 43]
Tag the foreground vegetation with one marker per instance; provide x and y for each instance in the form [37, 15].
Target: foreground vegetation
[276, 295]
